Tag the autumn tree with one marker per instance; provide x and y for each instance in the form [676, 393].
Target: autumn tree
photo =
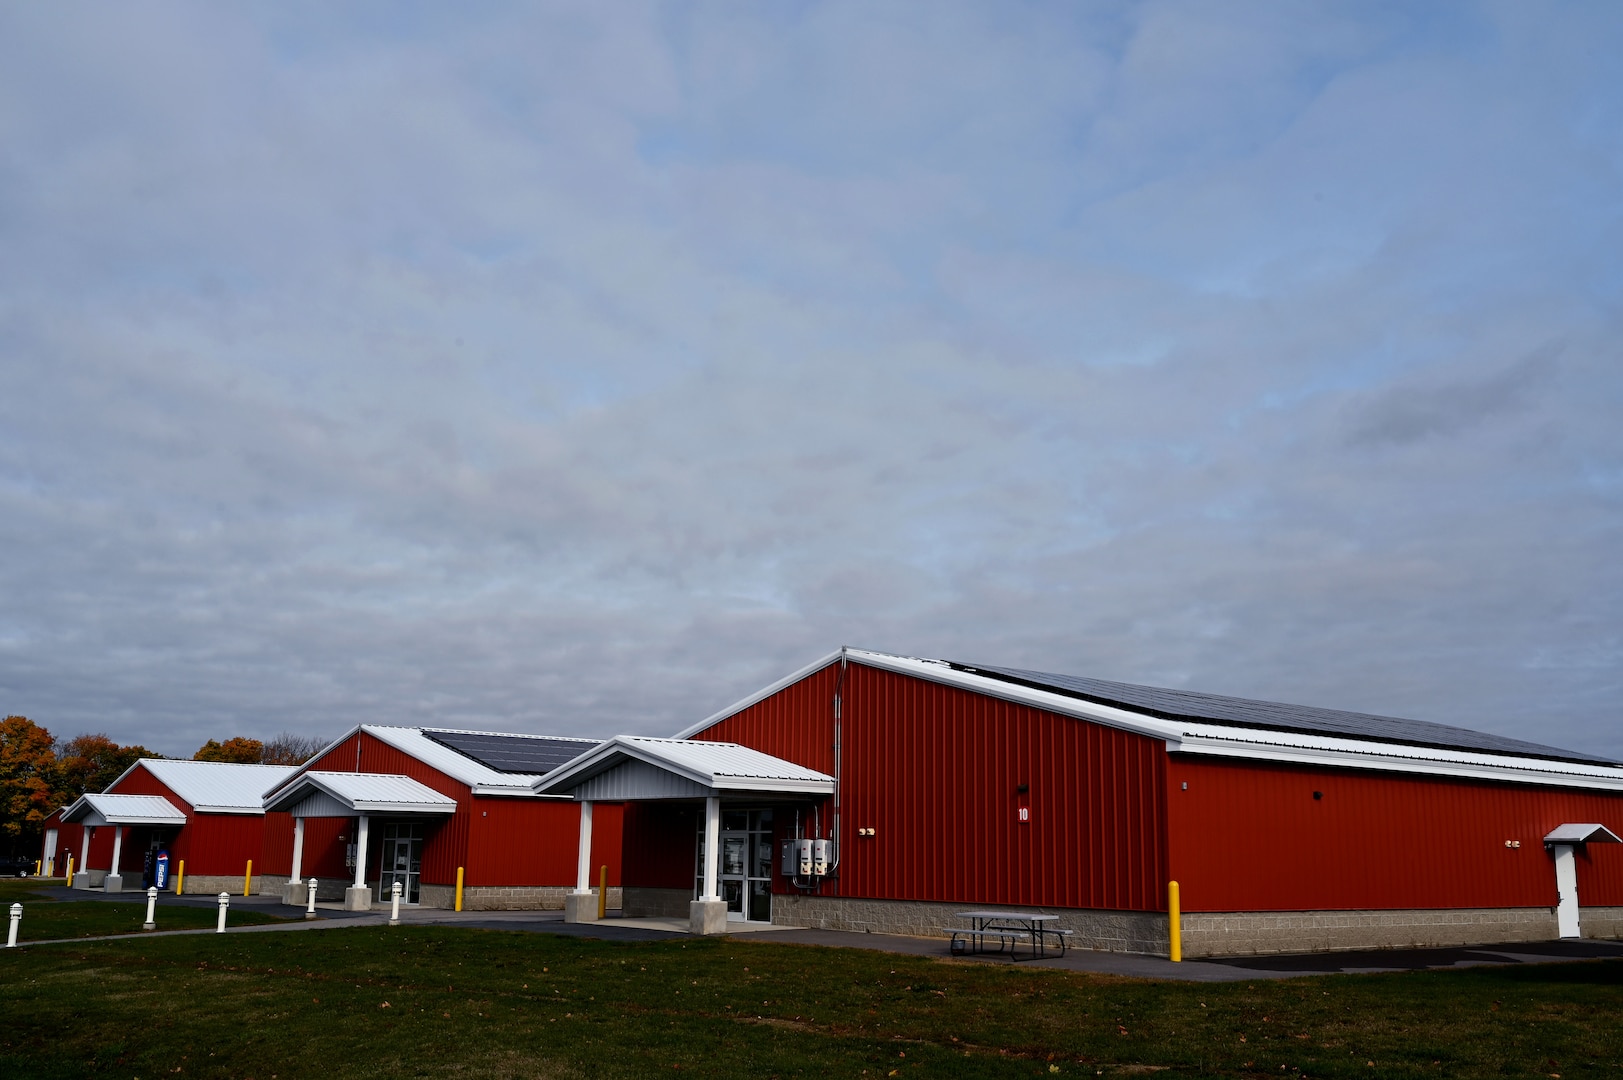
[290, 749]
[238, 749]
[28, 778]
[91, 762]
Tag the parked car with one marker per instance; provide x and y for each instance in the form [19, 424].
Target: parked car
[16, 866]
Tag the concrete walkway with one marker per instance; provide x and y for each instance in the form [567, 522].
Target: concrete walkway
[614, 928]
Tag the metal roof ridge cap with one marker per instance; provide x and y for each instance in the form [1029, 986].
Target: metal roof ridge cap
[761, 695]
[1108, 715]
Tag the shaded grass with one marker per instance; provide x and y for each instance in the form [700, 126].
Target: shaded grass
[46, 918]
[421, 1001]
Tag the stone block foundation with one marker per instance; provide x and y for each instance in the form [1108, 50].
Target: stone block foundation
[505, 897]
[1250, 933]
[1233, 933]
[642, 902]
[1106, 931]
[215, 884]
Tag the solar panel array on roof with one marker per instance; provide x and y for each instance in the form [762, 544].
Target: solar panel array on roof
[1272, 716]
[533, 755]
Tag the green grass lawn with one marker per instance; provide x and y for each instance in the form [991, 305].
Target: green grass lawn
[46, 918]
[432, 1001]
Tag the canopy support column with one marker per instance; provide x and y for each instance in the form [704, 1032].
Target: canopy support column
[358, 897]
[298, 850]
[581, 905]
[708, 914]
[115, 880]
[81, 876]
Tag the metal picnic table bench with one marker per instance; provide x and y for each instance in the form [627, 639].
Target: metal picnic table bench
[1009, 929]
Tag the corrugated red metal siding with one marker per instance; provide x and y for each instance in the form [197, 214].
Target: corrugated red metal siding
[659, 844]
[1250, 837]
[223, 843]
[935, 771]
[536, 841]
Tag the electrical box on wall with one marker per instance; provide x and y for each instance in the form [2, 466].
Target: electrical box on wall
[821, 850]
[796, 858]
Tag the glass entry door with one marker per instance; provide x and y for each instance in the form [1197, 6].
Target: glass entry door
[402, 861]
[744, 872]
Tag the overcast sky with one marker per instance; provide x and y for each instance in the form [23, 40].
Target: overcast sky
[581, 368]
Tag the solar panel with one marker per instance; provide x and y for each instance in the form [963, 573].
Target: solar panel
[529, 754]
[1273, 716]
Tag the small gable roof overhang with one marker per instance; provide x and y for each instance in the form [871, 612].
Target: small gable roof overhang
[629, 768]
[1582, 834]
[98, 810]
[330, 794]
[1217, 739]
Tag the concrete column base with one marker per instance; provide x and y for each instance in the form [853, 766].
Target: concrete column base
[114, 883]
[707, 918]
[81, 880]
[296, 893]
[358, 898]
[580, 907]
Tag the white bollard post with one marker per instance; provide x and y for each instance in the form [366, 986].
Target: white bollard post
[225, 902]
[152, 903]
[310, 908]
[394, 905]
[16, 920]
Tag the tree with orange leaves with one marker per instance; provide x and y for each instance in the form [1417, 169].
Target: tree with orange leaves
[28, 779]
[237, 749]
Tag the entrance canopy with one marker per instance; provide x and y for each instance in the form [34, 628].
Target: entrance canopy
[98, 810]
[332, 794]
[1582, 834]
[629, 768]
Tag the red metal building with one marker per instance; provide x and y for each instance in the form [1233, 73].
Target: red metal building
[423, 805]
[216, 826]
[1286, 827]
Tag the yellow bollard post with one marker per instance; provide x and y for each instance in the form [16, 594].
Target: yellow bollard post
[459, 888]
[603, 892]
[180, 876]
[247, 877]
[1175, 922]
[70, 868]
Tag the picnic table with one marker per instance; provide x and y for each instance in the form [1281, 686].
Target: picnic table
[1009, 930]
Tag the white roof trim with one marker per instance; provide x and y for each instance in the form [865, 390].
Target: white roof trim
[1582, 834]
[367, 793]
[704, 763]
[1219, 740]
[96, 810]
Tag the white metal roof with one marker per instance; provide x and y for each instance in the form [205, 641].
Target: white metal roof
[1582, 834]
[213, 787]
[1189, 737]
[366, 793]
[716, 766]
[124, 810]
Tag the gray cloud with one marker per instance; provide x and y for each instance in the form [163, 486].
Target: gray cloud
[581, 371]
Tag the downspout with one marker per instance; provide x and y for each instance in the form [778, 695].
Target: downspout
[839, 686]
